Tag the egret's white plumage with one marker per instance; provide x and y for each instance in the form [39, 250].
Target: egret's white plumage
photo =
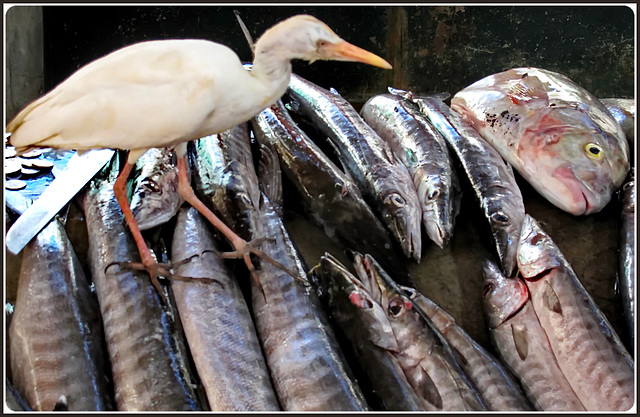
[165, 93]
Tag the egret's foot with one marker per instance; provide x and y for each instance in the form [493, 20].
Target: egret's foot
[165, 270]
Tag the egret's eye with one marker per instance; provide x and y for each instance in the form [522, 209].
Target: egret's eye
[593, 151]
[321, 43]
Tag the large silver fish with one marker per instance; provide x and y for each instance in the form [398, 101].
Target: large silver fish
[560, 138]
[149, 373]
[364, 323]
[497, 386]
[330, 196]
[383, 180]
[522, 343]
[424, 152]
[491, 178]
[586, 347]
[154, 188]
[57, 346]
[423, 353]
[217, 323]
[627, 255]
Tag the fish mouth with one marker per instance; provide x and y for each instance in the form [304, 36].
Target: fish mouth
[410, 238]
[583, 201]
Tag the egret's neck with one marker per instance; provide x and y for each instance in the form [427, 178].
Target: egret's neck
[271, 68]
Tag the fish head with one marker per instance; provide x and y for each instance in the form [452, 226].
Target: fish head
[571, 160]
[537, 253]
[502, 296]
[439, 208]
[401, 211]
[505, 219]
[337, 278]
[383, 288]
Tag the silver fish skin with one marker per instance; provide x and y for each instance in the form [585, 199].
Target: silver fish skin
[331, 197]
[217, 323]
[307, 368]
[497, 386]
[624, 111]
[626, 254]
[56, 341]
[423, 353]
[588, 350]
[423, 150]
[383, 180]
[365, 324]
[148, 373]
[522, 344]
[560, 138]
[492, 179]
[224, 177]
[154, 197]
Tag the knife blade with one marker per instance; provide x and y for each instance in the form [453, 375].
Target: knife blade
[78, 172]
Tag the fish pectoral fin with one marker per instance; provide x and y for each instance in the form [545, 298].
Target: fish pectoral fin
[521, 340]
[550, 298]
[425, 388]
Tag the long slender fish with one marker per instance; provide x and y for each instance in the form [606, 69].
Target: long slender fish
[491, 178]
[383, 180]
[330, 196]
[424, 152]
[560, 138]
[499, 389]
[626, 254]
[364, 323]
[148, 374]
[522, 344]
[423, 353]
[588, 350]
[308, 368]
[57, 347]
[154, 188]
[217, 323]
[306, 365]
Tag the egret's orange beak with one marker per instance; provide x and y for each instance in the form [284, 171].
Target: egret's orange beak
[345, 51]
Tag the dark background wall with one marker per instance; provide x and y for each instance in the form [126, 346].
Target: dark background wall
[432, 48]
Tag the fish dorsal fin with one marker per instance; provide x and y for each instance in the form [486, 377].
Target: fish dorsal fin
[528, 89]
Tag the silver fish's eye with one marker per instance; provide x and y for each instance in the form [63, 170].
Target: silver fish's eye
[397, 307]
[396, 199]
[487, 289]
[627, 186]
[499, 217]
[435, 193]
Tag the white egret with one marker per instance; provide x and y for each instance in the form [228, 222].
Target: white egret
[165, 93]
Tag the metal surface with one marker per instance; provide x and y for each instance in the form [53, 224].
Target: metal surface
[79, 171]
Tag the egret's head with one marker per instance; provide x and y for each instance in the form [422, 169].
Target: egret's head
[305, 37]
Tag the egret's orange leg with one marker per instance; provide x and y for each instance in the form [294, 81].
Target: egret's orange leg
[243, 249]
[149, 262]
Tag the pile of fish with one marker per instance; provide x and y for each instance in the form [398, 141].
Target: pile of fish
[339, 337]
